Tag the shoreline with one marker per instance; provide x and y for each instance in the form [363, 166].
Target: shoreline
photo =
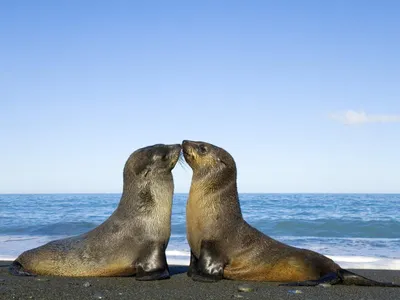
[179, 286]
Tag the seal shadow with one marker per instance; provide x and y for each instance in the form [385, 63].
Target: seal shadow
[177, 269]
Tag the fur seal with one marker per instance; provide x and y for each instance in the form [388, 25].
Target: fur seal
[132, 241]
[224, 245]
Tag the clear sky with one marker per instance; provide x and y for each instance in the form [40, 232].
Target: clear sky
[304, 94]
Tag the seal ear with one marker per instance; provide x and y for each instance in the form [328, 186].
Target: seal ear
[221, 161]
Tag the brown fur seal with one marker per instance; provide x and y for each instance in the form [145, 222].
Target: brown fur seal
[224, 245]
[132, 240]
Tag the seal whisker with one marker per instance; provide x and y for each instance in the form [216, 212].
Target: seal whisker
[182, 161]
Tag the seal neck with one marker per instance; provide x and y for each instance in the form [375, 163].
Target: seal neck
[222, 194]
[214, 179]
[144, 196]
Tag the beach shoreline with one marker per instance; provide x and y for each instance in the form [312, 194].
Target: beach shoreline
[179, 286]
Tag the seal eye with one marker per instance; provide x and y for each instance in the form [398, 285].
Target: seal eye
[202, 149]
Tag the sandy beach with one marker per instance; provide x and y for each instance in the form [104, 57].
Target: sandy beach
[179, 286]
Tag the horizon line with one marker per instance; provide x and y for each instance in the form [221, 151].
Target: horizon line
[186, 193]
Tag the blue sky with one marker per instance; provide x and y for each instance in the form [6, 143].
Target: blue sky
[304, 94]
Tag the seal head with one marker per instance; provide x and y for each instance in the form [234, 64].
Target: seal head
[212, 166]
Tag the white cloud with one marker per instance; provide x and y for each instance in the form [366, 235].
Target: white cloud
[351, 117]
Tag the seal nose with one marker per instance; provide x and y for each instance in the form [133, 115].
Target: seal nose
[187, 143]
[186, 146]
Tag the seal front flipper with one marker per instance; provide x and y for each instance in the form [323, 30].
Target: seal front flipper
[152, 265]
[194, 272]
[210, 265]
[193, 265]
[18, 270]
[157, 274]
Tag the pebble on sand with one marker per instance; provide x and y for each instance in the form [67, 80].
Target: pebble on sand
[98, 295]
[245, 288]
[42, 279]
[295, 292]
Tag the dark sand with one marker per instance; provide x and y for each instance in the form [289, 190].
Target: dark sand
[181, 287]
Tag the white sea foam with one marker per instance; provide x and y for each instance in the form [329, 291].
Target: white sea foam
[178, 257]
[365, 262]
[12, 245]
[178, 253]
[7, 257]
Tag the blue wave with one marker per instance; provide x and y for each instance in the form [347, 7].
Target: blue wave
[330, 228]
[330, 223]
[56, 229]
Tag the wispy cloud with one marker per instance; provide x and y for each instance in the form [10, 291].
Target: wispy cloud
[351, 117]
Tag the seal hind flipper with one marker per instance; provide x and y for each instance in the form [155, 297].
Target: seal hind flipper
[152, 265]
[350, 278]
[342, 276]
[17, 269]
[160, 274]
[209, 267]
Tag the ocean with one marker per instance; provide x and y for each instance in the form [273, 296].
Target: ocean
[355, 230]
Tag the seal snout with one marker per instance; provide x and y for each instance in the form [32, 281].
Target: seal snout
[187, 148]
[175, 150]
[173, 154]
[185, 143]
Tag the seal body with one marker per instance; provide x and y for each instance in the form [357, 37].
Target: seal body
[132, 240]
[224, 245]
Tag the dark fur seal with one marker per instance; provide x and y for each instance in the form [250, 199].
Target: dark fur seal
[132, 240]
[224, 245]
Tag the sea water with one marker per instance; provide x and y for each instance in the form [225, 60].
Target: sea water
[355, 230]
